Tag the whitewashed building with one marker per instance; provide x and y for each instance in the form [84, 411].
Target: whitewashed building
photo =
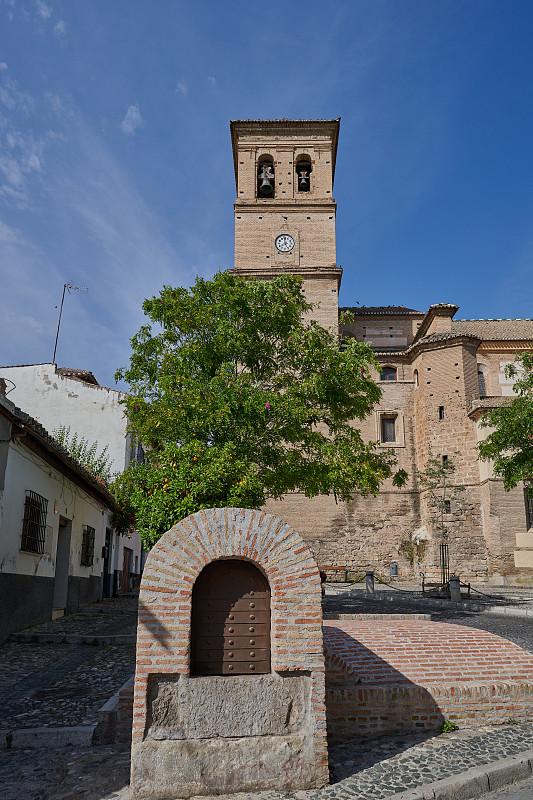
[59, 396]
[54, 518]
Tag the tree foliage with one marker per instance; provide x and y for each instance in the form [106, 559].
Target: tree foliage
[236, 399]
[510, 443]
[437, 480]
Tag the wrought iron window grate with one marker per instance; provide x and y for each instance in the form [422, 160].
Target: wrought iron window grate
[87, 546]
[34, 523]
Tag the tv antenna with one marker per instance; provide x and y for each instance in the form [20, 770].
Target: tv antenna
[70, 288]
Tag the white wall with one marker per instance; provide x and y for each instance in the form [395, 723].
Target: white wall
[26, 471]
[93, 412]
[53, 400]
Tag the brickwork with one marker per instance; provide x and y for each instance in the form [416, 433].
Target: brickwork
[308, 217]
[125, 712]
[163, 652]
[437, 360]
[385, 676]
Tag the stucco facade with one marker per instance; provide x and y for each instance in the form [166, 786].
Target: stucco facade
[58, 396]
[53, 521]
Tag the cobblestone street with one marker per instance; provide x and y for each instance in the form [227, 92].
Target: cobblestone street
[65, 684]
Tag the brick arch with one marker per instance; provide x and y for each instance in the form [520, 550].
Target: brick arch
[163, 638]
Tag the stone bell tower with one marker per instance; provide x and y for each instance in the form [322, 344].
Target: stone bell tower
[285, 210]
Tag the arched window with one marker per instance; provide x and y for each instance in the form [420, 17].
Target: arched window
[303, 173]
[481, 383]
[388, 374]
[265, 177]
[416, 378]
[230, 633]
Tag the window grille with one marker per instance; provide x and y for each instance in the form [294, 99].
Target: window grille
[481, 384]
[441, 412]
[87, 546]
[388, 429]
[34, 523]
[447, 506]
[529, 512]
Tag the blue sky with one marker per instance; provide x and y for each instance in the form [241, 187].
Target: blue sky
[116, 170]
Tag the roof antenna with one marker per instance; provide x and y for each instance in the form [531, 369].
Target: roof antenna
[70, 287]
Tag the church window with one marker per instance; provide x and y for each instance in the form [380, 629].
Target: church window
[387, 374]
[303, 174]
[529, 511]
[441, 412]
[447, 507]
[481, 384]
[416, 378]
[265, 177]
[388, 429]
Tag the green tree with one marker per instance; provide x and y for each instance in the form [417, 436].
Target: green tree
[236, 399]
[437, 480]
[510, 443]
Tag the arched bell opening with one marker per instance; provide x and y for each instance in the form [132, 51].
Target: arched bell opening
[230, 630]
[265, 177]
[304, 168]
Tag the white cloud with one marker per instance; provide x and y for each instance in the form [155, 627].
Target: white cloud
[43, 10]
[10, 96]
[131, 121]
[7, 234]
[212, 80]
[182, 88]
[60, 28]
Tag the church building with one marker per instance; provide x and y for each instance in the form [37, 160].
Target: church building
[438, 376]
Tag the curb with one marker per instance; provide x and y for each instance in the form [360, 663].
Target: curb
[25, 738]
[466, 605]
[475, 782]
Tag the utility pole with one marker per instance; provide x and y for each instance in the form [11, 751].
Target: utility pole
[70, 287]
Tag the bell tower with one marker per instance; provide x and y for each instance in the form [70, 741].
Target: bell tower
[285, 210]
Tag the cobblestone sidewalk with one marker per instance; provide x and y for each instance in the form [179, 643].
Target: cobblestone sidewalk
[53, 685]
[360, 770]
[66, 684]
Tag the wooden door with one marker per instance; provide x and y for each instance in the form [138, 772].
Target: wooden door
[230, 620]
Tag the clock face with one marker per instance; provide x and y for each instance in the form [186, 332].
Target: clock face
[284, 243]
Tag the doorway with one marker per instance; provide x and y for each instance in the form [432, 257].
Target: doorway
[126, 569]
[62, 566]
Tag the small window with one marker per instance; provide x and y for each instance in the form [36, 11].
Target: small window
[416, 378]
[87, 546]
[481, 384]
[441, 412]
[529, 512]
[444, 459]
[34, 523]
[388, 429]
[265, 179]
[447, 507]
[387, 374]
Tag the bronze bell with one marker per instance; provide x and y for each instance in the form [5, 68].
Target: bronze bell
[266, 176]
[266, 189]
